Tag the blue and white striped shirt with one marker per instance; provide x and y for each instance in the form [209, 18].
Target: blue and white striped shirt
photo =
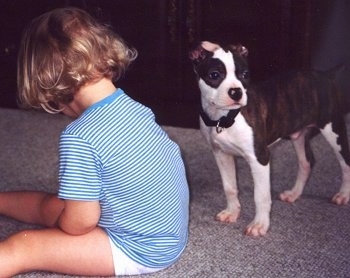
[116, 153]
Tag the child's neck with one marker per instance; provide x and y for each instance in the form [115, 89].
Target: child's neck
[89, 95]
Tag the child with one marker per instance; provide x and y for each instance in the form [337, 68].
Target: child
[122, 204]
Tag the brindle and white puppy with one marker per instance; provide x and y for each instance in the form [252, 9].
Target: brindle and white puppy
[242, 119]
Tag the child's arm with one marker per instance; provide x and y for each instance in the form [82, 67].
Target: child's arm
[79, 217]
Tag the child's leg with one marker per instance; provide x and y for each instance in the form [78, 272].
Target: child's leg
[31, 207]
[53, 250]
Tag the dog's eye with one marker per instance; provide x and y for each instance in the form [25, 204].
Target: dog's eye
[214, 75]
[245, 74]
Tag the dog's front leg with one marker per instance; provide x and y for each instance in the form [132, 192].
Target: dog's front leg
[262, 199]
[226, 165]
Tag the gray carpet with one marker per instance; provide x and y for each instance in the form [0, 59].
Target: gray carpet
[307, 239]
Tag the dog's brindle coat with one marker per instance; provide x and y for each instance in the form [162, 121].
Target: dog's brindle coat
[291, 106]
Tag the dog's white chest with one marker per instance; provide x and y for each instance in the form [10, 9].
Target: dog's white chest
[236, 140]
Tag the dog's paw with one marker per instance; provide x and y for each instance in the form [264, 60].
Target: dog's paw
[227, 216]
[257, 228]
[341, 198]
[289, 196]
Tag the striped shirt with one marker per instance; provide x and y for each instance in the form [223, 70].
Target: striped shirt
[116, 153]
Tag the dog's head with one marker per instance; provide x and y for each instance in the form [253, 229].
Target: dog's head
[222, 73]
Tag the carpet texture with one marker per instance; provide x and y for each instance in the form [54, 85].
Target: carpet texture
[307, 239]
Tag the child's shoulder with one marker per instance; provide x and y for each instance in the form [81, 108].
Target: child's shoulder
[117, 112]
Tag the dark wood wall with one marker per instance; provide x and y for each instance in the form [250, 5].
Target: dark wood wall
[279, 34]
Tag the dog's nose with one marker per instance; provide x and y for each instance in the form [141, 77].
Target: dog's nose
[235, 93]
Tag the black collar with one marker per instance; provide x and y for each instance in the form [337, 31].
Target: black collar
[223, 122]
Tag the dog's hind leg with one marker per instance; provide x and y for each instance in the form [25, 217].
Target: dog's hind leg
[337, 138]
[305, 160]
[226, 165]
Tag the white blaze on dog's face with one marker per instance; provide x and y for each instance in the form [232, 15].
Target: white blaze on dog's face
[223, 76]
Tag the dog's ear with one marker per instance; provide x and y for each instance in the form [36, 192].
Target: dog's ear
[239, 49]
[199, 53]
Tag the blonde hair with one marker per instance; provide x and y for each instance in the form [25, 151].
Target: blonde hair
[63, 50]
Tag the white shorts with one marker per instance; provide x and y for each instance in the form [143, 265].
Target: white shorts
[123, 265]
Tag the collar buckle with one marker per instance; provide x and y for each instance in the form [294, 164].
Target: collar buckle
[219, 128]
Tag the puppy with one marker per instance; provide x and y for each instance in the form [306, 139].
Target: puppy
[238, 118]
